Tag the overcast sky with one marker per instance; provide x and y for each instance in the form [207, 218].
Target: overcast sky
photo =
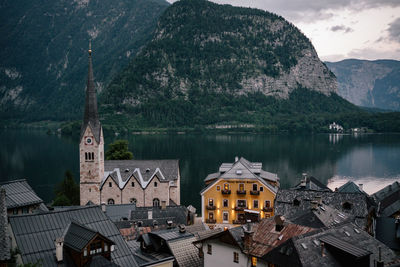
[339, 29]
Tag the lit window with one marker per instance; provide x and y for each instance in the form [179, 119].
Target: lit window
[226, 186]
[156, 202]
[211, 216]
[225, 216]
[253, 261]
[110, 201]
[225, 203]
[209, 249]
[255, 204]
[210, 202]
[236, 257]
[218, 188]
[241, 187]
[155, 184]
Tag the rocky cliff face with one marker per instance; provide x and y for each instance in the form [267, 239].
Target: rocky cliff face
[43, 55]
[369, 83]
[200, 46]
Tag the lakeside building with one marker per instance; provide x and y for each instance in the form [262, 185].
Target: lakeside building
[142, 182]
[238, 192]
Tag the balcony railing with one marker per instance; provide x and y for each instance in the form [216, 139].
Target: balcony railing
[254, 192]
[238, 221]
[211, 220]
[268, 209]
[240, 208]
[226, 191]
[211, 207]
[241, 192]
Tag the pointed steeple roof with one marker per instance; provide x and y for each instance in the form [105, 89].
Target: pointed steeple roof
[91, 116]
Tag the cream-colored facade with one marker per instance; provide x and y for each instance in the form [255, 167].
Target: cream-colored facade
[238, 192]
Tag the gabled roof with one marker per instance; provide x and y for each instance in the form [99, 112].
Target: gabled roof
[143, 171]
[91, 116]
[305, 250]
[389, 199]
[19, 194]
[386, 191]
[5, 245]
[350, 187]
[388, 232]
[100, 261]
[77, 236]
[311, 183]
[35, 233]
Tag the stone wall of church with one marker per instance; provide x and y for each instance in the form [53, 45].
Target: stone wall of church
[131, 191]
[110, 190]
[156, 189]
[175, 190]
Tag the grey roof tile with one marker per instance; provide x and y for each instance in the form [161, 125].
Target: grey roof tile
[29, 229]
[19, 194]
[5, 245]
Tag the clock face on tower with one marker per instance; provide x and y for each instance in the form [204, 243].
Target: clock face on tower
[88, 140]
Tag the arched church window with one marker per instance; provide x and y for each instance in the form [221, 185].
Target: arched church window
[86, 156]
[110, 201]
[133, 201]
[156, 202]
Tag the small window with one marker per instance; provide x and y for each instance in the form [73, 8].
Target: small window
[85, 252]
[155, 184]
[15, 211]
[105, 247]
[347, 205]
[90, 190]
[210, 202]
[241, 187]
[253, 261]
[110, 201]
[156, 202]
[25, 210]
[254, 187]
[109, 184]
[267, 203]
[211, 216]
[86, 157]
[225, 202]
[261, 189]
[209, 249]
[255, 204]
[236, 257]
[241, 203]
[226, 186]
[133, 184]
[92, 155]
[296, 202]
[133, 200]
[218, 188]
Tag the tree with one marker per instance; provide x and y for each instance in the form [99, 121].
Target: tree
[67, 191]
[118, 150]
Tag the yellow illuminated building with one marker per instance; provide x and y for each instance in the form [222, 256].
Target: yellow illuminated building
[238, 192]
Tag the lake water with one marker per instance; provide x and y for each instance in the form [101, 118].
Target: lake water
[373, 160]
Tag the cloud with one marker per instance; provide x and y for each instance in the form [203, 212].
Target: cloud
[394, 30]
[372, 53]
[341, 28]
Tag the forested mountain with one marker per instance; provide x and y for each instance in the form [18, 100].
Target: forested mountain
[369, 83]
[43, 55]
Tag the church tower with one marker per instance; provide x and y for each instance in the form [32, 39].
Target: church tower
[91, 146]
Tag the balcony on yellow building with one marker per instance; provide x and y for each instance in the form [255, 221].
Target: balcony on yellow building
[241, 192]
[226, 191]
[268, 209]
[254, 192]
[239, 221]
[211, 221]
[208, 207]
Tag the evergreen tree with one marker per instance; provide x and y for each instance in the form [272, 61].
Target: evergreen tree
[118, 151]
[67, 191]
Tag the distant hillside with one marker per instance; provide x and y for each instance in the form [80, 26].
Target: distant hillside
[43, 55]
[208, 63]
[369, 83]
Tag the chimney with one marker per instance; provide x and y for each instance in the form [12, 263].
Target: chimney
[314, 205]
[279, 223]
[103, 207]
[236, 159]
[59, 248]
[182, 228]
[163, 205]
[318, 199]
[360, 186]
[248, 236]
[380, 263]
[322, 249]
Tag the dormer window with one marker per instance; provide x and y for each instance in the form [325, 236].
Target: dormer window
[347, 205]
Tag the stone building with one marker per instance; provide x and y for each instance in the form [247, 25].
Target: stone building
[143, 182]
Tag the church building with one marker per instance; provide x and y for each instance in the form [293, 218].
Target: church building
[143, 182]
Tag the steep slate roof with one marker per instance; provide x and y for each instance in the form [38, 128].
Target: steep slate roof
[350, 187]
[311, 183]
[91, 116]
[35, 233]
[145, 258]
[77, 236]
[388, 199]
[20, 194]
[305, 250]
[360, 203]
[5, 245]
[100, 261]
[143, 171]
[323, 216]
[242, 169]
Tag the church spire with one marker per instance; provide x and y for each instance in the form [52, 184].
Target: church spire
[91, 116]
